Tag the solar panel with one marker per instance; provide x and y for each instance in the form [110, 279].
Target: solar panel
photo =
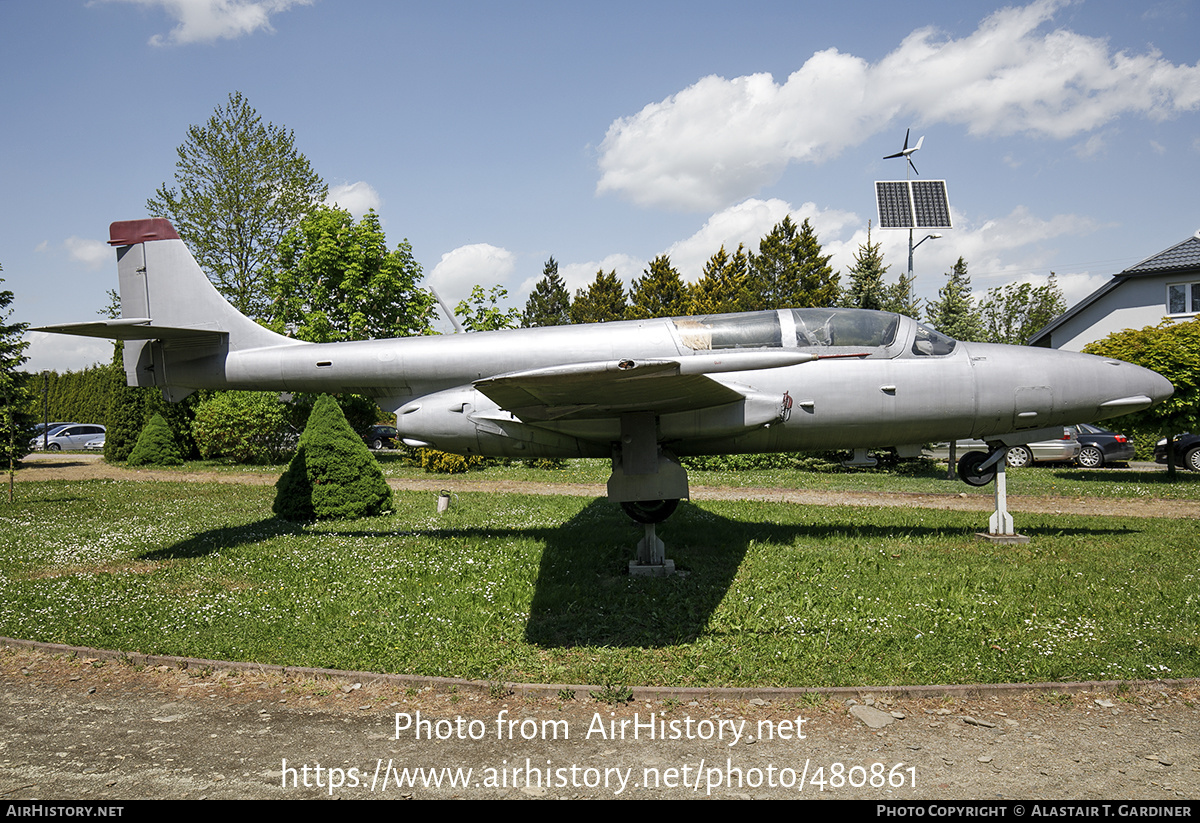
[913, 204]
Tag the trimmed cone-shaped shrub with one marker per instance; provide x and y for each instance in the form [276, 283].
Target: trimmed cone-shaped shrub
[333, 474]
[155, 446]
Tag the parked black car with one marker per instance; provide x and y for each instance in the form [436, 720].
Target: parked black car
[380, 437]
[1187, 451]
[1101, 447]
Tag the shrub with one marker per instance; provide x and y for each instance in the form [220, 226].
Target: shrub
[245, 426]
[155, 446]
[438, 462]
[333, 474]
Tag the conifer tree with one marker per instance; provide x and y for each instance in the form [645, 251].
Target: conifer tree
[954, 313]
[16, 424]
[789, 271]
[604, 300]
[125, 417]
[155, 445]
[721, 288]
[867, 289]
[899, 298]
[660, 292]
[549, 303]
[333, 474]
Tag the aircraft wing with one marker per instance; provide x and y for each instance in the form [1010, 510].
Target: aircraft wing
[609, 388]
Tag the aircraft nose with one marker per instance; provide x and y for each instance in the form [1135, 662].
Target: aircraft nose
[1158, 388]
[1136, 388]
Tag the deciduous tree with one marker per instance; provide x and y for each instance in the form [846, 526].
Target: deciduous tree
[1014, 313]
[333, 279]
[240, 186]
[1173, 350]
[482, 311]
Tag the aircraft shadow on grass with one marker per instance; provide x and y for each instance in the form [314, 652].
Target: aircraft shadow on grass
[583, 595]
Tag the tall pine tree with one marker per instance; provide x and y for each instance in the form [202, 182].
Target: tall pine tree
[789, 270]
[549, 303]
[721, 288]
[660, 292]
[954, 313]
[867, 288]
[16, 423]
[602, 301]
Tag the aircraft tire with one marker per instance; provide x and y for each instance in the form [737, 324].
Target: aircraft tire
[1091, 457]
[1018, 457]
[967, 469]
[1191, 460]
[649, 511]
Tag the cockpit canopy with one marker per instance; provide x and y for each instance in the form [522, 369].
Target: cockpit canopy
[806, 329]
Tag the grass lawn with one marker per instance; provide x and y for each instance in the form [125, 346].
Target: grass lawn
[919, 476]
[533, 588]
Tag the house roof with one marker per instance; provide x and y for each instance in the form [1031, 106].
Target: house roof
[1183, 256]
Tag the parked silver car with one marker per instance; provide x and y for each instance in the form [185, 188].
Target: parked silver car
[70, 437]
[1063, 450]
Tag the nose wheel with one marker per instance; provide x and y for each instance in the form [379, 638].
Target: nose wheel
[978, 468]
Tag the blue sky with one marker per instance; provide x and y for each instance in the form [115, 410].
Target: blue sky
[493, 135]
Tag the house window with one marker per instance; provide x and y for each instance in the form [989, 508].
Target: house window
[1183, 298]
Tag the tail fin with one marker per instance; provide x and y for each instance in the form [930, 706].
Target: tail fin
[173, 319]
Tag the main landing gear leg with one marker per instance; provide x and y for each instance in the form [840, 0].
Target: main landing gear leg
[983, 468]
[648, 482]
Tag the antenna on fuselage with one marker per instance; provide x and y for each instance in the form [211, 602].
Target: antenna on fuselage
[446, 311]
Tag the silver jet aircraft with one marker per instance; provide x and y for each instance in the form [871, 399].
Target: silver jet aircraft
[643, 392]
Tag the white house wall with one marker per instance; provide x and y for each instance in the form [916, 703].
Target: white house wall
[1134, 304]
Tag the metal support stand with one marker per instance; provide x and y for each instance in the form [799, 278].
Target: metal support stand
[1000, 524]
[651, 560]
[644, 472]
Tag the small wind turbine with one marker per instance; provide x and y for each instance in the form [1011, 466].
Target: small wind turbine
[907, 153]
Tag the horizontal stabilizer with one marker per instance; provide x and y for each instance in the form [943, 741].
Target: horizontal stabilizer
[133, 328]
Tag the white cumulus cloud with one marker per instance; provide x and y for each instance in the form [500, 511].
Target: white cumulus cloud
[356, 198]
[206, 21]
[477, 264]
[747, 223]
[65, 352]
[95, 254]
[720, 140]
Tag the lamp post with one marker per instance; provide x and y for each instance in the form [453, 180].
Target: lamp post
[911, 249]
